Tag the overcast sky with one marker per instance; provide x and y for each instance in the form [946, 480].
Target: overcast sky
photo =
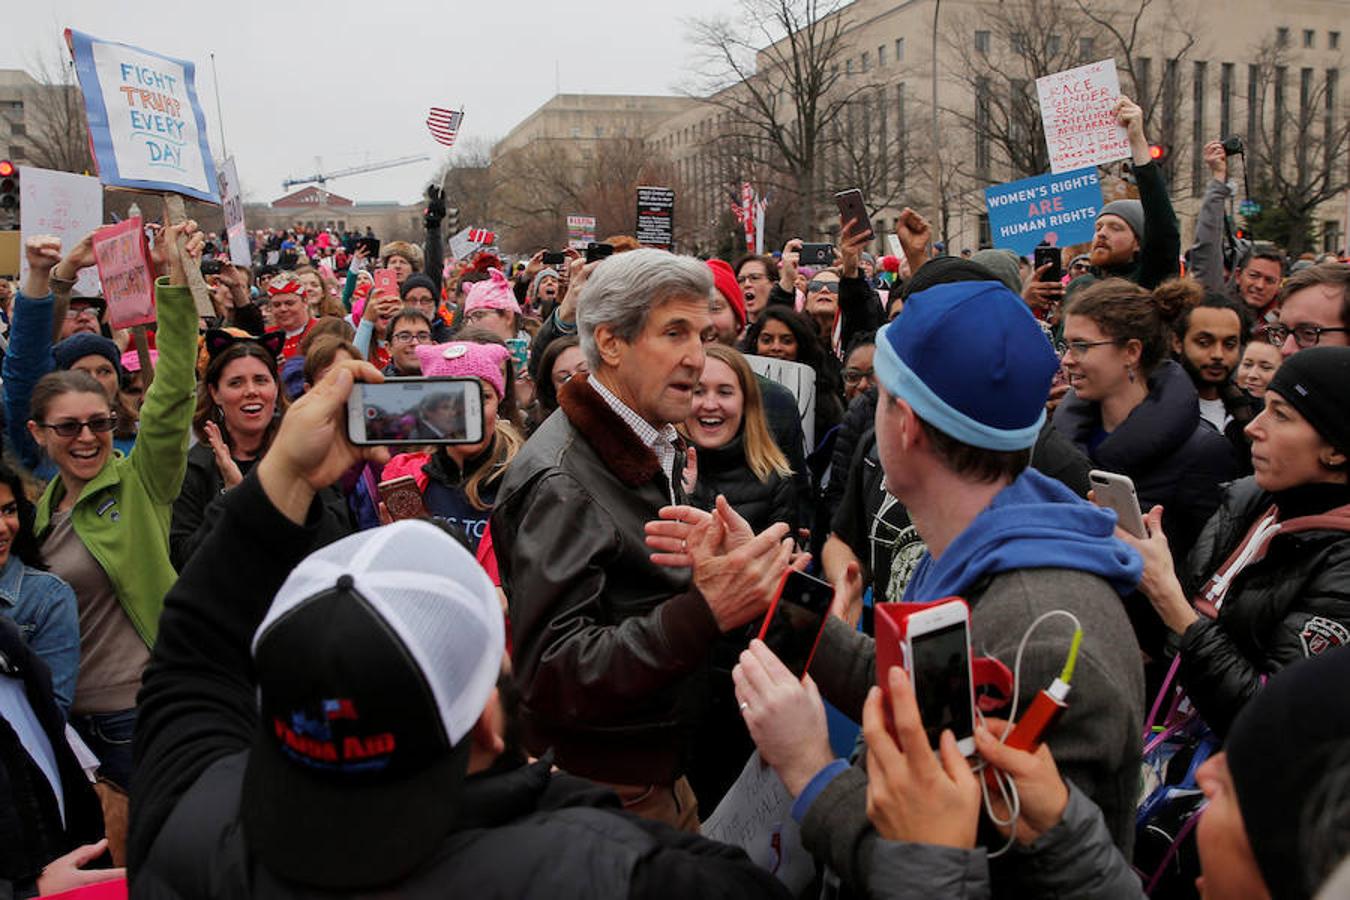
[351, 82]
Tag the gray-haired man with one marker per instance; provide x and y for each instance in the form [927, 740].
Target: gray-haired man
[606, 642]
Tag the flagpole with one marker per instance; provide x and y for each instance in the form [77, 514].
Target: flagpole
[220, 115]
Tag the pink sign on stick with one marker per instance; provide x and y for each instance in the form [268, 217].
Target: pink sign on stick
[124, 269]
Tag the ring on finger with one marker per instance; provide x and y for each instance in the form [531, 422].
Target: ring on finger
[745, 705]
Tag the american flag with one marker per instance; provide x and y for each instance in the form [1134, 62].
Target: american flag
[444, 124]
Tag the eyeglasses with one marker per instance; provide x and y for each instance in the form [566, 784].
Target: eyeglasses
[96, 425]
[1080, 348]
[74, 312]
[831, 287]
[853, 376]
[479, 315]
[1304, 335]
[752, 277]
[415, 337]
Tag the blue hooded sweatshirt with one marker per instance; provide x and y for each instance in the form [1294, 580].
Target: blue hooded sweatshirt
[1034, 523]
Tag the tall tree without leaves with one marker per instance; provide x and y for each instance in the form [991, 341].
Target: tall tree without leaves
[1300, 157]
[773, 70]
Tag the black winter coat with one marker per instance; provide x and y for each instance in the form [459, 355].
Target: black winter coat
[761, 503]
[1173, 457]
[1292, 604]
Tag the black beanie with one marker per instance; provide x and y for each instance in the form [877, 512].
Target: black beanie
[1316, 382]
[945, 270]
[416, 280]
[1281, 746]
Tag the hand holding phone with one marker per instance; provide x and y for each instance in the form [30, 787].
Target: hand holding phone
[853, 209]
[816, 255]
[933, 645]
[402, 499]
[1052, 257]
[386, 282]
[796, 619]
[1116, 492]
[416, 412]
[554, 258]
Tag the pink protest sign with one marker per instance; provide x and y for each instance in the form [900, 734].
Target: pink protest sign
[1077, 110]
[124, 269]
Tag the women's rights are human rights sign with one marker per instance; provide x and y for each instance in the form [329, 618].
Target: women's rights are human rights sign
[145, 124]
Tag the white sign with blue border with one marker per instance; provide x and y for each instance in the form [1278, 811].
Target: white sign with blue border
[145, 124]
[1058, 209]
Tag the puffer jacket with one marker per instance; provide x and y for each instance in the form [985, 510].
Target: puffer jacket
[609, 650]
[761, 503]
[1173, 457]
[1289, 605]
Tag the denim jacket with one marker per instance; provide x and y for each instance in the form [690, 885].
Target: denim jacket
[44, 608]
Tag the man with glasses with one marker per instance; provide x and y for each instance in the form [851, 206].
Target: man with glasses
[1314, 310]
[419, 292]
[407, 331]
[84, 315]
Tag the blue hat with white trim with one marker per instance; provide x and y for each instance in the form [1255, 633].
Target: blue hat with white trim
[972, 362]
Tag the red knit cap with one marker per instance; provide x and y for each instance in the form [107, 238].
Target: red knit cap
[725, 281]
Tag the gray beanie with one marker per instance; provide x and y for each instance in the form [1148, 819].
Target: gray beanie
[1132, 211]
[543, 273]
[1002, 264]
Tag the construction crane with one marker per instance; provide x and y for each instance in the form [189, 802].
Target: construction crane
[321, 178]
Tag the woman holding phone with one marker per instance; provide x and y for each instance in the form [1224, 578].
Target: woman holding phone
[103, 522]
[1266, 584]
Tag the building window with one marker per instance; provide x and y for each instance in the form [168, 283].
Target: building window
[1018, 43]
[17, 129]
[981, 42]
[982, 102]
[1281, 73]
[1329, 117]
[1253, 105]
[900, 48]
[901, 136]
[1052, 46]
[576, 132]
[1281, 37]
[599, 131]
[1198, 134]
[1225, 101]
[1309, 38]
[1085, 48]
[848, 66]
[1143, 78]
[866, 61]
[881, 56]
[17, 152]
[1333, 40]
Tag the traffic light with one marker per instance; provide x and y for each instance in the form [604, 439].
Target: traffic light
[1157, 152]
[452, 220]
[9, 195]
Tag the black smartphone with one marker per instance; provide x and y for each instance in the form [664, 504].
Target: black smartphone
[796, 618]
[816, 255]
[415, 411]
[1054, 257]
[596, 251]
[371, 245]
[210, 267]
[852, 208]
[554, 258]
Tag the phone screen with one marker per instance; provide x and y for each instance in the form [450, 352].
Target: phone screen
[418, 411]
[940, 666]
[1052, 256]
[795, 622]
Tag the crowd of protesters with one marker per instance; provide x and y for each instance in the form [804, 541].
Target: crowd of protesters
[241, 655]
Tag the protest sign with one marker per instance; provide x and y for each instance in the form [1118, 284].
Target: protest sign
[9, 253]
[124, 267]
[145, 124]
[656, 217]
[1078, 112]
[580, 231]
[756, 815]
[61, 204]
[232, 205]
[796, 377]
[1057, 209]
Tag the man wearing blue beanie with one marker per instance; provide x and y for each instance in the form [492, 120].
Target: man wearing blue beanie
[964, 375]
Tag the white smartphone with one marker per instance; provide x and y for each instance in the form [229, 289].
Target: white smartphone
[416, 412]
[937, 657]
[1112, 491]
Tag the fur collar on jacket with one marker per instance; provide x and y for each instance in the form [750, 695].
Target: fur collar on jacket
[633, 462]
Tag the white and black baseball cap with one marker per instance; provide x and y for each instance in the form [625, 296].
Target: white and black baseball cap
[374, 662]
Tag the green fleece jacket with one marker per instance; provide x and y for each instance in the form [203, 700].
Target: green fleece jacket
[122, 515]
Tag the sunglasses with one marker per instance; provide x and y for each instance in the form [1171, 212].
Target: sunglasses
[69, 429]
[830, 287]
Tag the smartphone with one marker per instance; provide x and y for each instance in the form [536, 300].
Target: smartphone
[1112, 491]
[402, 498]
[554, 258]
[796, 620]
[520, 353]
[416, 411]
[816, 255]
[1054, 257]
[372, 246]
[937, 657]
[852, 208]
[596, 251]
[210, 266]
[386, 282]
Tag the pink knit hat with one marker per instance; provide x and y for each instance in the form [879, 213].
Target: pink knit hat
[495, 293]
[464, 359]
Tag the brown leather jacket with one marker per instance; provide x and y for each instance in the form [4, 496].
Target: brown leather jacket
[609, 651]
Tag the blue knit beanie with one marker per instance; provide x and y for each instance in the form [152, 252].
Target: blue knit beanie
[78, 346]
[972, 362]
